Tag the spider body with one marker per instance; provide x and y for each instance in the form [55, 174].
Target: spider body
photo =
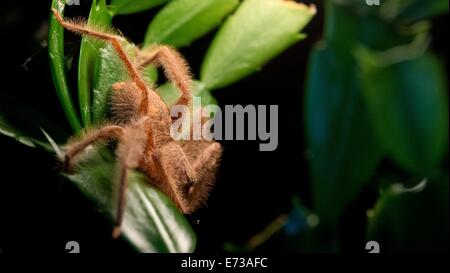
[141, 125]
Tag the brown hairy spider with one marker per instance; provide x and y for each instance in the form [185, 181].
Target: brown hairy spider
[183, 170]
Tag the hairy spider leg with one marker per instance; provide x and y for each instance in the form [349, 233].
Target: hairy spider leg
[83, 29]
[75, 147]
[204, 157]
[175, 68]
[130, 151]
[132, 141]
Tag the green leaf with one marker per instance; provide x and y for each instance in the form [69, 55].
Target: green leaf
[23, 124]
[89, 51]
[258, 31]
[133, 6]
[183, 21]
[418, 10]
[170, 94]
[344, 153]
[414, 220]
[152, 223]
[57, 66]
[109, 70]
[408, 105]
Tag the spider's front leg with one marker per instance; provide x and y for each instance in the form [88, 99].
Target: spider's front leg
[130, 152]
[175, 68]
[204, 157]
[77, 145]
[175, 172]
[188, 171]
[132, 143]
[116, 41]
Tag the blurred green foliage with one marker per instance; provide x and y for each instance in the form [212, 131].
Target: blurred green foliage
[375, 93]
[371, 94]
[414, 219]
[344, 150]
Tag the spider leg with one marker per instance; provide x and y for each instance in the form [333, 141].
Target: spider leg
[116, 41]
[75, 147]
[188, 171]
[204, 157]
[176, 173]
[175, 68]
[130, 152]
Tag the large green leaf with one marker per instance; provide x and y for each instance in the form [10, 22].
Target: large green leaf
[258, 31]
[25, 125]
[89, 51]
[408, 105]
[412, 219]
[344, 153]
[133, 6]
[109, 70]
[152, 223]
[57, 66]
[183, 21]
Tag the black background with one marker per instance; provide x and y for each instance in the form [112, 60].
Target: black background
[40, 211]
